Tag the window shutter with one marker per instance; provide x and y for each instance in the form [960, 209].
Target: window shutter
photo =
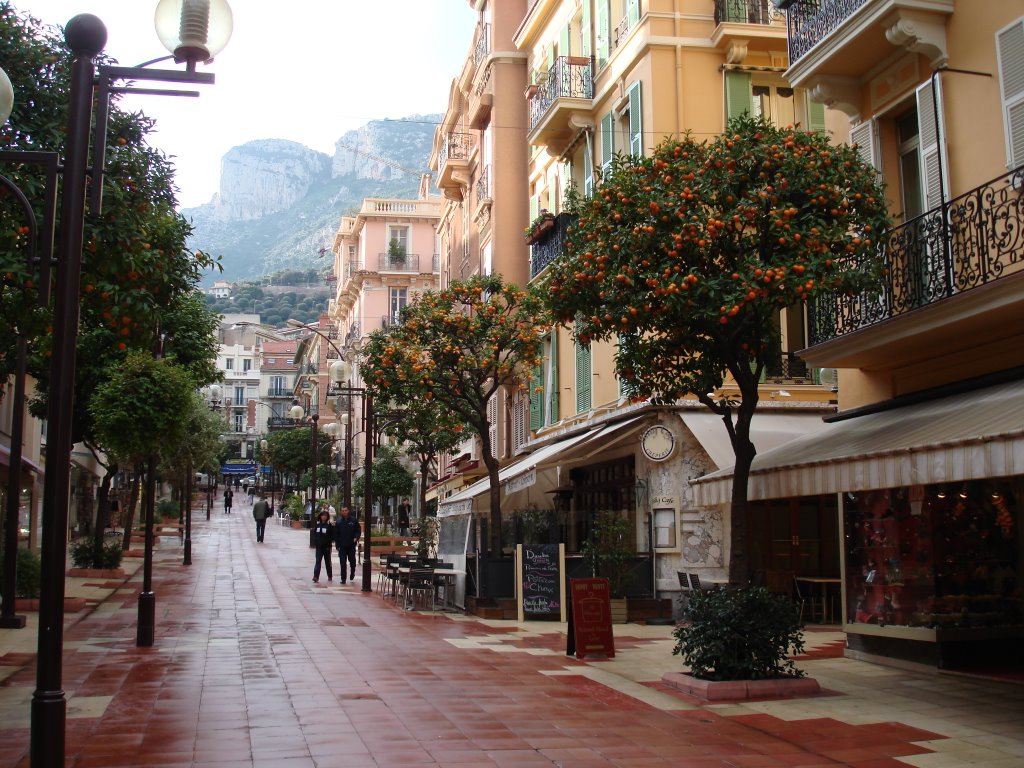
[863, 135]
[933, 166]
[585, 30]
[534, 207]
[536, 399]
[636, 131]
[632, 12]
[607, 142]
[1010, 47]
[552, 393]
[738, 97]
[588, 171]
[583, 378]
[563, 42]
[492, 418]
[564, 180]
[815, 115]
[550, 55]
[602, 32]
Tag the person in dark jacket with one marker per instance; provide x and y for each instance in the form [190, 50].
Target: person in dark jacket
[323, 537]
[347, 531]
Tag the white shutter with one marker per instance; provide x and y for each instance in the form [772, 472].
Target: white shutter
[933, 140]
[603, 33]
[607, 143]
[866, 139]
[588, 169]
[1010, 49]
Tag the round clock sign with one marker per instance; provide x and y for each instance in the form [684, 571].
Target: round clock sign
[658, 442]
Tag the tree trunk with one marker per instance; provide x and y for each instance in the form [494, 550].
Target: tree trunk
[494, 494]
[129, 513]
[102, 510]
[739, 560]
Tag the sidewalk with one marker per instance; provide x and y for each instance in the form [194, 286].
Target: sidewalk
[254, 665]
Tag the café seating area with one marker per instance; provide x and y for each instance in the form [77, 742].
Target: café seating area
[417, 583]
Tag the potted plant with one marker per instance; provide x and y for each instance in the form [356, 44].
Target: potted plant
[294, 507]
[396, 252]
[607, 552]
[738, 643]
[541, 224]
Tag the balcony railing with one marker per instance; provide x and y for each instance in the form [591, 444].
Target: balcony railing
[389, 320]
[811, 21]
[387, 262]
[483, 185]
[746, 12]
[352, 268]
[456, 146]
[968, 242]
[279, 392]
[570, 77]
[482, 44]
[550, 245]
[787, 368]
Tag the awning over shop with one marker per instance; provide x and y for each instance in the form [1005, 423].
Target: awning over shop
[966, 436]
[767, 431]
[5, 460]
[462, 502]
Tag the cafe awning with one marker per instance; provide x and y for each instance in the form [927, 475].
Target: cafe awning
[964, 436]
[767, 431]
[462, 502]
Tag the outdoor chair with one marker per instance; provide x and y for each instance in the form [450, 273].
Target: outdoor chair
[784, 583]
[419, 588]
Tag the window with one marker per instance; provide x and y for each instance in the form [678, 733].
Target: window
[239, 395]
[551, 379]
[1010, 49]
[229, 364]
[771, 98]
[277, 385]
[238, 420]
[631, 127]
[603, 33]
[399, 298]
[398, 245]
[607, 142]
[246, 364]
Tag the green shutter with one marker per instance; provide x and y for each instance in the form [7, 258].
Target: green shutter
[738, 96]
[607, 142]
[583, 378]
[603, 33]
[585, 30]
[534, 208]
[550, 55]
[636, 130]
[815, 116]
[552, 414]
[537, 398]
[563, 42]
[632, 12]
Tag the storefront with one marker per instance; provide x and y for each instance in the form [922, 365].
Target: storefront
[928, 495]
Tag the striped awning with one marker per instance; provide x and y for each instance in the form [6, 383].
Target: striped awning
[967, 436]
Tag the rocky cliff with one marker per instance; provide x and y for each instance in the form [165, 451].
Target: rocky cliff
[280, 202]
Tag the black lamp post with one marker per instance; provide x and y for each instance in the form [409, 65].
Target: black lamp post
[192, 38]
[213, 395]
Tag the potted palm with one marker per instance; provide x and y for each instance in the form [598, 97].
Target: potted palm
[607, 552]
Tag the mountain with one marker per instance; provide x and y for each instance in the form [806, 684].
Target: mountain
[280, 203]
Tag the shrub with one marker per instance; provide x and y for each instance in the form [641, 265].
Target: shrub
[27, 574]
[166, 509]
[743, 634]
[84, 554]
[608, 550]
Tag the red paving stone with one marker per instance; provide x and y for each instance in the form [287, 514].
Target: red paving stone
[255, 666]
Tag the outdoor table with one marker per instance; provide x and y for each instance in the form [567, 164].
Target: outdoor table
[824, 582]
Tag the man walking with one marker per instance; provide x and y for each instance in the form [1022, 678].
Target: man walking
[229, 496]
[260, 513]
[346, 533]
[403, 518]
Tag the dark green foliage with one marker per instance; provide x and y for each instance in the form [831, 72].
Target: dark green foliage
[608, 549]
[27, 576]
[84, 554]
[743, 634]
[166, 509]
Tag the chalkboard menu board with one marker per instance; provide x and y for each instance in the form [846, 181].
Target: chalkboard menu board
[453, 534]
[541, 579]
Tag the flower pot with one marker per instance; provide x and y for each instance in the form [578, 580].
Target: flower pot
[531, 91]
[296, 523]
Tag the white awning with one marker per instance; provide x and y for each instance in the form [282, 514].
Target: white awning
[967, 436]
[462, 502]
[767, 431]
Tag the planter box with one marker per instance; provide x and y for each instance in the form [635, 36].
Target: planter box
[71, 604]
[619, 610]
[96, 573]
[740, 690]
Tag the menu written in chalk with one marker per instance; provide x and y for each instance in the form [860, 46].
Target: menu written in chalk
[541, 593]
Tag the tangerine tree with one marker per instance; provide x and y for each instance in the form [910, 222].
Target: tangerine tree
[458, 347]
[685, 258]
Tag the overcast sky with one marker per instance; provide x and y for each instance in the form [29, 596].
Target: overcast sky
[304, 70]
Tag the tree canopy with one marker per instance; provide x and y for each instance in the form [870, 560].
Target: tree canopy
[458, 347]
[685, 259]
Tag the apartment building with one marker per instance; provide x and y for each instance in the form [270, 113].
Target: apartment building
[606, 77]
[926, 456]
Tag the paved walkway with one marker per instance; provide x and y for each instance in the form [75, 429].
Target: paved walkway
[254, 665]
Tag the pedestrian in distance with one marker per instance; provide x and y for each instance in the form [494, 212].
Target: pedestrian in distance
[229, 496]
[252, 493]
[260, 513]
[403, 517]
[347, 531]
[323, 537]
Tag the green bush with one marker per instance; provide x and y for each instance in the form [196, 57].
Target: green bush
[27, 576]
[743, 634]
[84, 554]
[166, 509]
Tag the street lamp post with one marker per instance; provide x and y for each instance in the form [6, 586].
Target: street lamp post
[193, 36]
[213, 400]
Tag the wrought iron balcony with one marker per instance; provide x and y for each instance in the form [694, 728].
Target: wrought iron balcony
[570, 77]
[279, 392]
[409, 262]
[483, 185]
[482, 44]
[811, 21]
[549, 246]
[972, 240]
[787, 369]
[454, 146]
[746, 12]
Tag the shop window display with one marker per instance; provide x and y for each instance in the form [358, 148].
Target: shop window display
[933, 556]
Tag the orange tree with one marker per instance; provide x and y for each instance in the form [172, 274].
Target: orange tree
[686, 257]
[458, 347]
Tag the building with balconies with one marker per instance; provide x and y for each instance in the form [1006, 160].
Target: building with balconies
[925, 459]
